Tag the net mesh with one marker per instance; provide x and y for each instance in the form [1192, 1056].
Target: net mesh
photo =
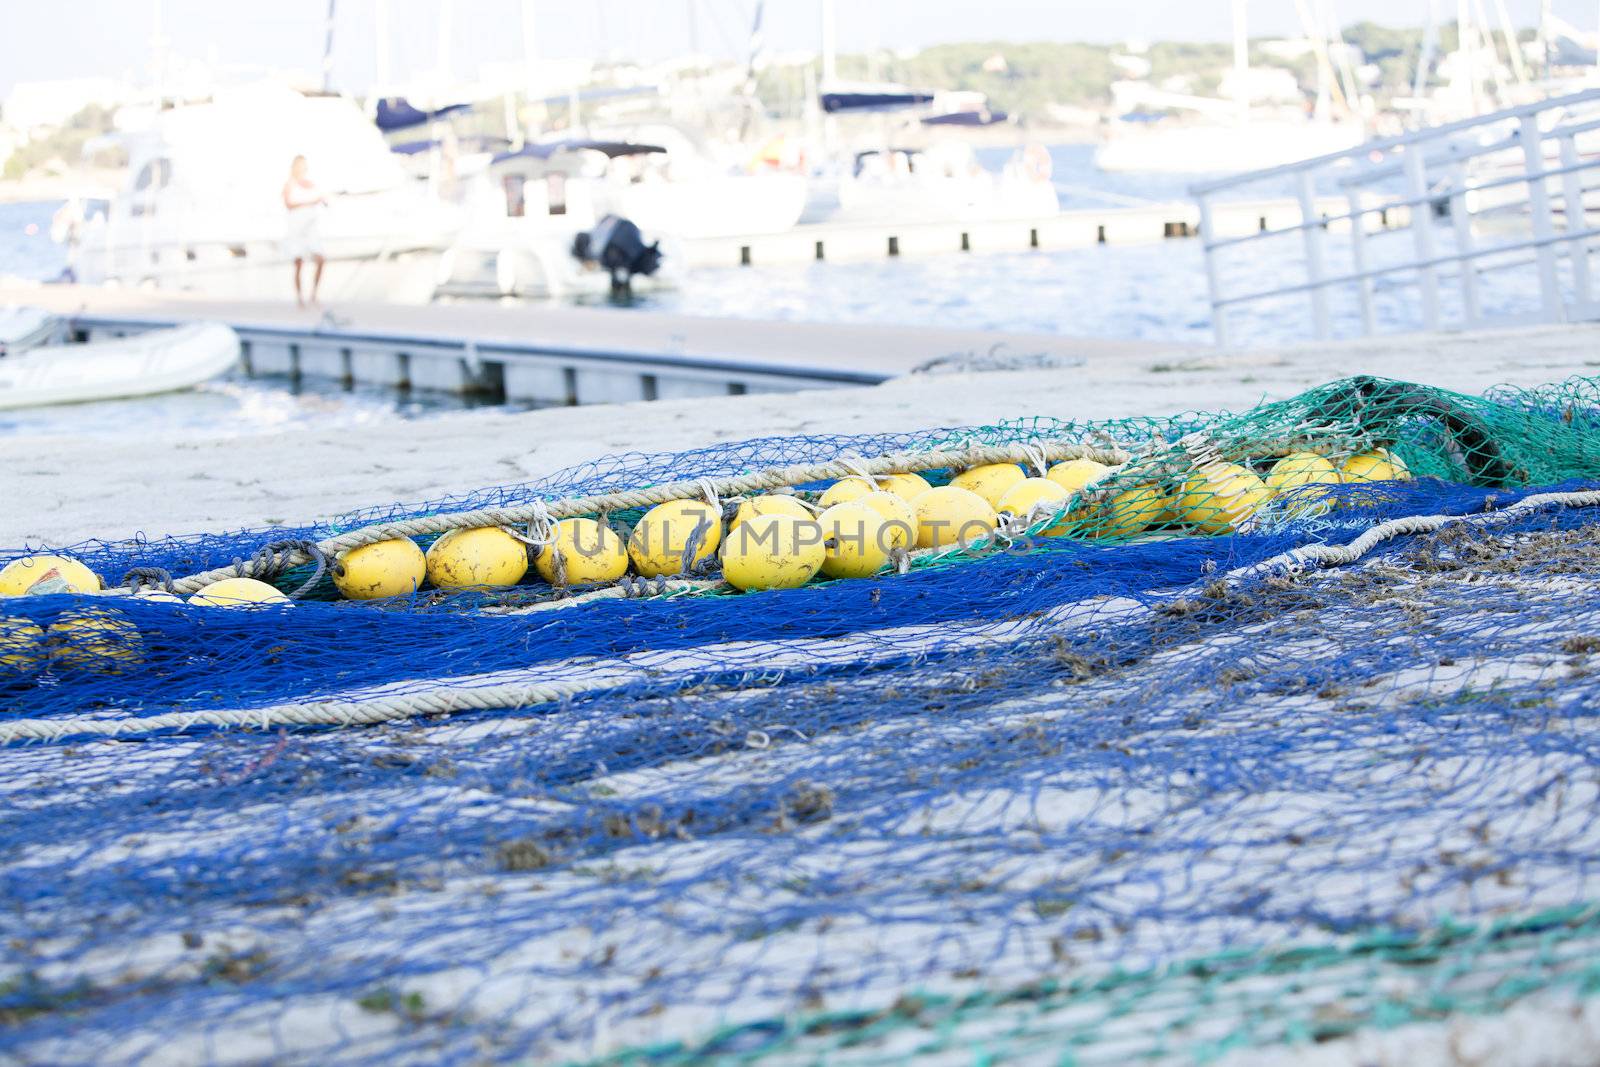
[1111, 796]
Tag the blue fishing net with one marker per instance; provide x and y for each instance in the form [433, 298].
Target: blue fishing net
[1079, 800]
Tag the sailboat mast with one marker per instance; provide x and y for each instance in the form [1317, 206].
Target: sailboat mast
[830, 44]
[1241, 61]
[380, 43]
[327, 49]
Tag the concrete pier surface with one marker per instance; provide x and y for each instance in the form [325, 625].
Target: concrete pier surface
[59, 490]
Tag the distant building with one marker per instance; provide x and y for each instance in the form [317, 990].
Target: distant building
[36, 108]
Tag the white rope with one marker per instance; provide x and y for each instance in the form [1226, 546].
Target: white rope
[1308, 557]
[1037, 459]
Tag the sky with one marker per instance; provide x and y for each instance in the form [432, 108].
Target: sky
[77, 38]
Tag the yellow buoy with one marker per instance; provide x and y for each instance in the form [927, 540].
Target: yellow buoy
[770, 504]
[1301, 468]
[484, 558]
[1378, 465]
[859, 539]
[1036, 498]
[53, 574]
[845, 489]
[590, 553]
[383, 569]
[1075, 474]
[238, 593]
[1292, 473]
[990, 481]
[160, 596]
[22, 647]
[898, 512]
[95, 639]
[1129, 512]
[662, 537]
[1218, 497]
[951, 515]
[773, 552]
[905, 486]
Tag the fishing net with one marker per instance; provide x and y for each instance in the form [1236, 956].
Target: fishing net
[1228, 767]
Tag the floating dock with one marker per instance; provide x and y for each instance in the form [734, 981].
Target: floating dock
[551, 355]
[1077, 228]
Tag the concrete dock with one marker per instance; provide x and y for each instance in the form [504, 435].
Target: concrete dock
[552, 355]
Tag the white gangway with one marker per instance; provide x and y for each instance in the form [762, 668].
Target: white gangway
[1446, 210]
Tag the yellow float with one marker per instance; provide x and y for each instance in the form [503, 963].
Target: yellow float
[773, 552]
[1035, 498]
[990, 481]
[770, 504]
[660, 540]
[22, 647]
[1377, 465]
[950, 516]
[1301, 468]
[846, 489]
[95, 639]
[859, 539]
[62, 574]
[1075, 474]
[395, 567]
[1292, 473]
[484, 558]
[1129, 512]
[238, 593]
[898, 512]
[590, 553]
[1219, 497]
[905, 486]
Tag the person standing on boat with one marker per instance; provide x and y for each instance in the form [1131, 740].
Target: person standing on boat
[303, 236]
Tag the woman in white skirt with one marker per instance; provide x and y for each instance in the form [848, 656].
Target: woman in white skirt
[303, 234]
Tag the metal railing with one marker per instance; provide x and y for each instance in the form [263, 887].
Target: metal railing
[1447, 187]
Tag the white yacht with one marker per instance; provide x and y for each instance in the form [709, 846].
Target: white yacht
[689, 189]
[202, 208]
[533, 225]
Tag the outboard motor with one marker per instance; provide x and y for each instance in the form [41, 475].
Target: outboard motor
[616, 245]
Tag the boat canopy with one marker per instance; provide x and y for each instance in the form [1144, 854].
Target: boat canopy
[610, 149]
[398, 113]
[873, 98]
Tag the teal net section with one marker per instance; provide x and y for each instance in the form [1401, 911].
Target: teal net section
[1173, 781]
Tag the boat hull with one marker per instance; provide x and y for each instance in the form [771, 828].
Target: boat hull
[161, 361]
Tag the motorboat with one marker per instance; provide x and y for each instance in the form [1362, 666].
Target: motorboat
[545, 220]
[909, 169]
[24, 327]
[159, 361]
[202, 208]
